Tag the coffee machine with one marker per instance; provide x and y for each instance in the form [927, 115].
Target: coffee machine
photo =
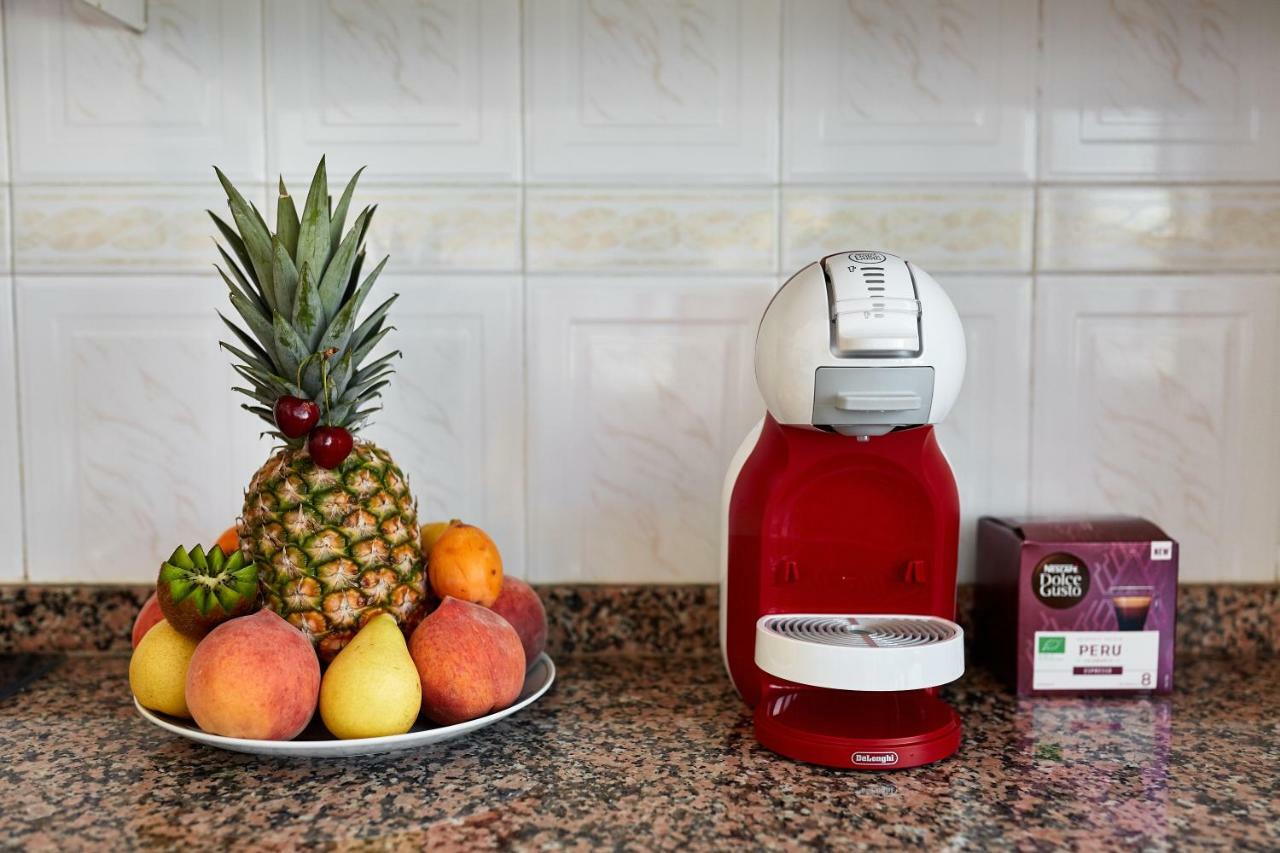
[840, 520]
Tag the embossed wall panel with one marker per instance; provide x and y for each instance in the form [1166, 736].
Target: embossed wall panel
[1182, 89]
[410, 89]
[639, 393]
[91, 99]
[624, 90]
[11, 564]
[132, 439]
[937, 88]
[1156, 396]
[987, 434]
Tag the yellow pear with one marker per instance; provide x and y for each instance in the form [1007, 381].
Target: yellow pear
[371, 689]
[428, 535]
[158, 670]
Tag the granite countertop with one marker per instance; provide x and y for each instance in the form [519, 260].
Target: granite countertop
[651, 752]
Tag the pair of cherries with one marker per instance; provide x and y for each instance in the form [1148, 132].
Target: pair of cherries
[328, 445]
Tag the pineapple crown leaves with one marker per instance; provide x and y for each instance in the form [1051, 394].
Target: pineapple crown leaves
[298, 293]
[209, 579]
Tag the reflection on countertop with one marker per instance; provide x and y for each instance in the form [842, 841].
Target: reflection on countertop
[656, 751]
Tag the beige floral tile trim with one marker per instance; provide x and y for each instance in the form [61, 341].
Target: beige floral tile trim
[1159, 228]
[950, 229]
[624, 229]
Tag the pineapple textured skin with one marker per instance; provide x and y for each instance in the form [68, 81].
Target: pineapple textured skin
[335, 547]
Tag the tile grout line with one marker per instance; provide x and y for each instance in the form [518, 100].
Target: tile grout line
[678, 183]
[1032, 337]
[522, 142]
[780, 139]
[266, 94]
[10, 226]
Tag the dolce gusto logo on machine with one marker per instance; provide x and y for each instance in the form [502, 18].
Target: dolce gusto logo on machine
[876, 758]
[867, 257]
[1060, 581]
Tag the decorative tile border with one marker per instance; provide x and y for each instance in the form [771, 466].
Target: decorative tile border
[63, 229]
[953, 229]
[95, 229]
[1159, 228]
[435, 228]
[1213, 619]
[648, 230]
[6, 212]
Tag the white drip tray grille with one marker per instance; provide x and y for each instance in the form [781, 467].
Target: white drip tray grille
[872, 652]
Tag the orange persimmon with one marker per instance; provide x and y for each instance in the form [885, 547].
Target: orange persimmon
[229, 541]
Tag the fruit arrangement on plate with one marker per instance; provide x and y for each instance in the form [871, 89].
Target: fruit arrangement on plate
[327, 596]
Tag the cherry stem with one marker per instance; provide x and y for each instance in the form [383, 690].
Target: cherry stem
[302, 366]
[324, 383]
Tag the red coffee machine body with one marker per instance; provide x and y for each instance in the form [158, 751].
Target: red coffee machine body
[841, 520]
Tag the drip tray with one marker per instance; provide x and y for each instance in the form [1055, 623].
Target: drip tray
[847, 729]
[860, 652]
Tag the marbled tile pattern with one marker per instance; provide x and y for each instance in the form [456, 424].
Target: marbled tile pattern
[11, 541]
[96, 229]
[161, 451]
[941, 229]
[1174, 229]
[1153, 396]
[1159, 90]
[413, 88]
[589, 619]
[442, 228]
[666, 88]
[92, 100]
[639, 390]
[656, 753]
[876, 90]
[648, 229]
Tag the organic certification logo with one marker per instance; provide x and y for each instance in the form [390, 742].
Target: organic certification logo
[1053, 645]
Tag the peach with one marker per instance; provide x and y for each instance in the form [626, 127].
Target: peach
[520, 605]
[254, 677]
[147, 618]
[469, 660]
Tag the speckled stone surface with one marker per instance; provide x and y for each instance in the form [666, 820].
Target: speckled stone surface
[587, 619]
[656, 753]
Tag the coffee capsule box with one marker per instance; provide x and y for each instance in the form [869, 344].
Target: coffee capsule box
[1077, 605]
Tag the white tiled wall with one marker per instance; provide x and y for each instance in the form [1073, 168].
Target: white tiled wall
[588, 203]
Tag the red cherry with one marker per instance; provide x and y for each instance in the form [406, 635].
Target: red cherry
[329, 445]
[295, 416]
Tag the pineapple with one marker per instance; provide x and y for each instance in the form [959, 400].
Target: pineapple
[329, 521]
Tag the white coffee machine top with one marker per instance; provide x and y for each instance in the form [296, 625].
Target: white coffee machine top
[834, 342]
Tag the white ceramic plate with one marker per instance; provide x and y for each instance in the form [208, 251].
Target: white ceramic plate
[315, 742]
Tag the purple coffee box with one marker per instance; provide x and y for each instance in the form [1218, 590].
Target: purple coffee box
[1077, 605]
